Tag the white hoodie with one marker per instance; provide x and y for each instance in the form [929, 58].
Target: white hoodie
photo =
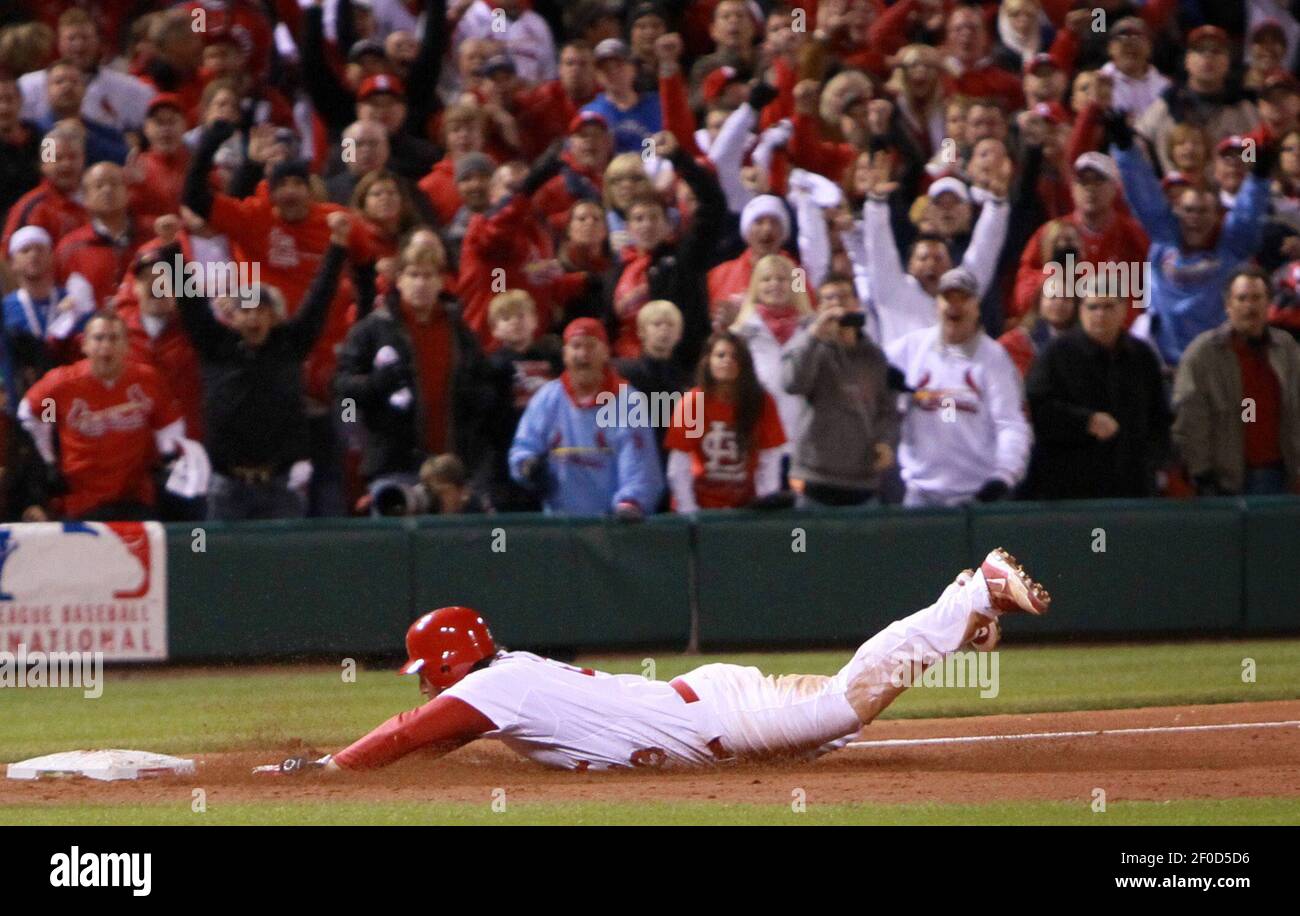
[965, 424]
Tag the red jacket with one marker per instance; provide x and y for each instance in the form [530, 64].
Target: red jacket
[555, 199]
[1123, 240]
[101, 260]
[45, 206]
[160, 191]
[173, 357]
[543, 114]
[440, 187]
[509, 240]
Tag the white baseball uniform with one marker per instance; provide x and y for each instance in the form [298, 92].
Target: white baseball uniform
[574, 718]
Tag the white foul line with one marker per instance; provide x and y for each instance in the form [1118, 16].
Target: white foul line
[1027, 736]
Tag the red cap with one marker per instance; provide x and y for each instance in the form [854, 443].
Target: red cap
[380, 82]
[583, 118]
[1231, 144]
[1208, 33]
[1035, 61]
[589, 326]
[1052, 111]
[165, 100]
[717, 80]
[1174, 180]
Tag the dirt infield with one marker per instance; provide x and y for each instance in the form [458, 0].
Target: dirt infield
[1149, 765]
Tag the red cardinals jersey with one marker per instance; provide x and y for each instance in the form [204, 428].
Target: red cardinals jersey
[289, 254]
[45, 206]
[724, 475]
[103, 261]
[106, 441]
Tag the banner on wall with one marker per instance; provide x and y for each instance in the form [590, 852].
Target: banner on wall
[84, 587]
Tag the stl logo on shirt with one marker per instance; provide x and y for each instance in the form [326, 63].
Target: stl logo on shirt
[282, 250]
[722, 454]
[130, 415]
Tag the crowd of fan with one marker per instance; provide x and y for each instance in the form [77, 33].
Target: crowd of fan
[270, 258]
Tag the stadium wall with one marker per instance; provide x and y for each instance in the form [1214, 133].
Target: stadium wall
[350, 586]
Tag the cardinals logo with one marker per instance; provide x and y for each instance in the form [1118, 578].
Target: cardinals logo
[130, 415]
[966, 400]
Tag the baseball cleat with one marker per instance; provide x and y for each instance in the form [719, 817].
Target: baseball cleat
[1010, 587]
[986, 638]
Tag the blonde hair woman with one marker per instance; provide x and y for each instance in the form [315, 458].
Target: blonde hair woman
[773, 309]
[918, 92]
[626, 182]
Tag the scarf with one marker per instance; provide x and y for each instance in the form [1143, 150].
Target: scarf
[781, 322]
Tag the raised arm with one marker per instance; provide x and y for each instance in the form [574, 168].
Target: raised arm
[332, 100]
[1141, 186]
[306, 324]
[196, 194]
[426, 69]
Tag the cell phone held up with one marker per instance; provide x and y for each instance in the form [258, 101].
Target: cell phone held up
[853, 320]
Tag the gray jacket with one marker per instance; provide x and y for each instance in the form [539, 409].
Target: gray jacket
[1208, 406]
[851, 409]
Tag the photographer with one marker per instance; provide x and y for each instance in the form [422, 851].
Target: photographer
[851, 426]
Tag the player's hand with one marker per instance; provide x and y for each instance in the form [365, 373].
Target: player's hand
[1102, 426]
[292, 766]
[340, 227]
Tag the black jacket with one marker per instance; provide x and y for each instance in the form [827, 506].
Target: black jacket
[19, 168]
[1072, 379]
[393, 439]
[677, 269]
[252, 398]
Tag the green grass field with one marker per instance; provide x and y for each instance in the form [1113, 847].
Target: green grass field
[207, 711]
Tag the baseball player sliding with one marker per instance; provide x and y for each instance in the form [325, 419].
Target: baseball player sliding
[578, 719]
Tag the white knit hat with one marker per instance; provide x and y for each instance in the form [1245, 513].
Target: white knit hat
[765, 205]
[26, 236]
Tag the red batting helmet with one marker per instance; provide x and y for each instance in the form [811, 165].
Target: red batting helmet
[445, 644]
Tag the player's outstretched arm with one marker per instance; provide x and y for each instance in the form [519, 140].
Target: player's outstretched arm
[441, 725]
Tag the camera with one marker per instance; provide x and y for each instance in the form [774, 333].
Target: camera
[853, 320]
[396, 498]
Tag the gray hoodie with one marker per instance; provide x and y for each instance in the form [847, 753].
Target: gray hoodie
[851, 409]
